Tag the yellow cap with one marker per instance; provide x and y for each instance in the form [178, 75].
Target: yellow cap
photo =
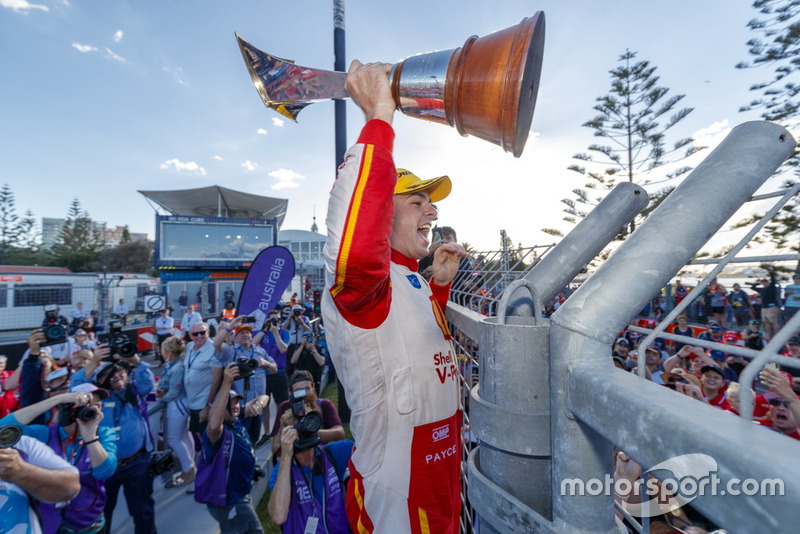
[408, 182]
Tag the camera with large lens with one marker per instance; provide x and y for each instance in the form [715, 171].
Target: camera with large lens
[68, 413]
[54, 331]
[247, 367]
[9, 435]
[308, 423]
[273, 322]
[118, 343]
[161, 462]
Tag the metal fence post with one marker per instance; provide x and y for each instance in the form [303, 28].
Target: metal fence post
[560, 266]
[583, 328]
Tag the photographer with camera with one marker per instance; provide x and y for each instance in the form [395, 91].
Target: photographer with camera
[307, 357]
[275, 341]
[125, 412]
[226, 468]
[30, 470]
[297, 324]
[254, 365]
[301, 384]
[308, 484]
[78, 438]
[36, 364]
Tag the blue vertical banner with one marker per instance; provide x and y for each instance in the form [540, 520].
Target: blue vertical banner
[269, 276]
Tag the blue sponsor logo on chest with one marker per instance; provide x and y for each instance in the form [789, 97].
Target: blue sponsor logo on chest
[414, 281]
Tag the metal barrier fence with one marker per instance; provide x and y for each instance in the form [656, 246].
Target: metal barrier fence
[549, 407]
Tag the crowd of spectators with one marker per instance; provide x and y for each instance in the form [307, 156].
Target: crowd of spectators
[711, 375]
[97, 413]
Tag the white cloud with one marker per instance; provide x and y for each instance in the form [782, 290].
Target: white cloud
[218, 158]
[712, 135]
[21, 5]
[261, 131]
[189, 167]
[286, 179]
[110, 54]
[82, 47]
[176, 73]
[249, 166]
[276, 121]
[118, 36]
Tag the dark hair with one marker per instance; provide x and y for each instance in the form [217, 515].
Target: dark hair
[448, 230]
[301, 375]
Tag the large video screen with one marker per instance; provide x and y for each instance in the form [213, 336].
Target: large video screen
[211, 241]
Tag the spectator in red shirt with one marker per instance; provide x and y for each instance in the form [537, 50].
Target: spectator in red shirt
[714, 386]
[784, 408]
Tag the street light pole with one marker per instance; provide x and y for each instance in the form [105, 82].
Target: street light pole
[339, 65]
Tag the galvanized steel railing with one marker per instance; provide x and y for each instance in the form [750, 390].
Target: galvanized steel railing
[549, 405]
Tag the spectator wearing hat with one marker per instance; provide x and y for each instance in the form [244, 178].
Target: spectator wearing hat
[621, 348]
[297, 324]
[653, 358]
[716, 334]
[679, 375]
[126, 410]
[78, 438]
[714, 385]
[275, 341]
[226, 467]
[243, 348]
[332, 429]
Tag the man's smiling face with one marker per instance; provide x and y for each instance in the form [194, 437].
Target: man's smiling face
[411, 225]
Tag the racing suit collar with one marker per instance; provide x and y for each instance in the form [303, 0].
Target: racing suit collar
[401, 259]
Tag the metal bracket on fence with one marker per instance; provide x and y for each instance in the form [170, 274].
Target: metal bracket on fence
[537, 302]
[492, 424]
[498, 507]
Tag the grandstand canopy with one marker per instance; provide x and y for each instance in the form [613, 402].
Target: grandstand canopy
[216, 201]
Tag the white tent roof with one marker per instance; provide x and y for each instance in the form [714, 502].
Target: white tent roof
[217, 201]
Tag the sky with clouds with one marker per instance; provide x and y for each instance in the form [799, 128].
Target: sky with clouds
[101, 99]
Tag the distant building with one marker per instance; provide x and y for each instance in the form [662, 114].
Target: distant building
[112, 238]
[306, 247]
[51, 229]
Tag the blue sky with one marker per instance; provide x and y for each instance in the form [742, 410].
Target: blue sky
[101, 99]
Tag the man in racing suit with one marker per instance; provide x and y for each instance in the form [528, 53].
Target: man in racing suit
[387, 334]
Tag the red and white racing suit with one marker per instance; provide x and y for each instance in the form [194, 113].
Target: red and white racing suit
[391, 347]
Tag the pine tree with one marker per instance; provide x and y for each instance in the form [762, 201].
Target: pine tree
[628, 120]
[778, 47]
[79, 242]
[9, 222]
